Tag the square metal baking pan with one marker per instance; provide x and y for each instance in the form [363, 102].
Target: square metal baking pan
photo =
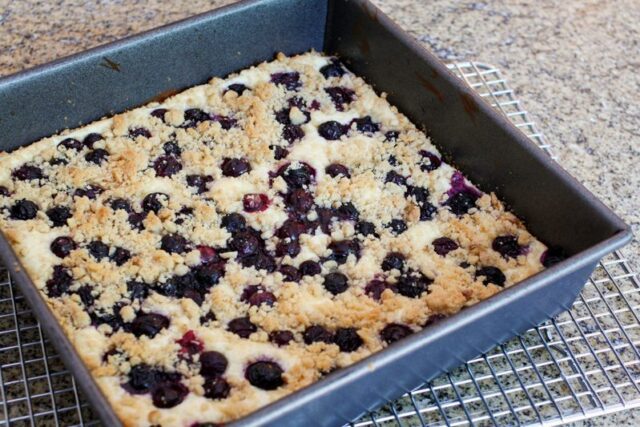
[476, 139]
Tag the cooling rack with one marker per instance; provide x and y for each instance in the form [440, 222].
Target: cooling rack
[581, 364]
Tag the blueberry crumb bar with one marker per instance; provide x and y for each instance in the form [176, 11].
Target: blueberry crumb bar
[212, 253]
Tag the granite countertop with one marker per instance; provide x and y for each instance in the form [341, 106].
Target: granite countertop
[574, 65]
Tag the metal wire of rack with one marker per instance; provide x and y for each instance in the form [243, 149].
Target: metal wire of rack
[581, 364]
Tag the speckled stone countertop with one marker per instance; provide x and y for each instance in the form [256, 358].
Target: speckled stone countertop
[574, 65]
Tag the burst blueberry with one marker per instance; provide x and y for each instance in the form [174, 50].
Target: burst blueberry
[444, 245]
[340, 96]
[27, 173]
[366, 125]
[290, 80]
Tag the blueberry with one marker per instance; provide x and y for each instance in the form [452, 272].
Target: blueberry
[366, 228]
[235, 167]
[167, 165]
[325, 219]
[299, 200]
[289, 273]
[366, 125]
[292, 133]
[347, 212]
[98, 250]
[309, 268]
[291, 248]
[317, 333]
[85, 293]
[148, 324]
[260, 261]
[153, 202]
[336, 169]
[137, 290]
[395, 332]
[136, 220]
[507, 246]
[332, 130]
[393, 261]
[418, 194]
[90, 191]
[209, 274]
[141, 131]
[397, 226]
[393, 161]
[216, 388]
[340, 96]
[172, 148]
[298, 177]
[91, 139]
[461, 202]
[238, 88]
[59, 282]
[212, 364]
[199, 182]
[170, 288]
[142, 378]
[391, 135]
[59, 215]
[194, 116]
[27, 173]
[281, 338]
[97, 156]
[491, 275]
[120, 203]
[71, 144]
[429, 161]
[347, 339]
[427, 210]
[159, 113]
[226, 122]
[256, 295]
[413, 284]
[444, 245]
[174, 244]
[23, 210]
[4, 191]
[234, 222]
[265, 375]
[168, 394]
[120, 256]
[242, 327]
[375, 288]
[62, 246]
[245, 243]
[57, 161]
[336, 283]
[333, 69]
[434, 318]
[279, 153]
[291, 80]
[395, 178]
[209, 317]
[341, 250]
[255, 202]
[552, 256]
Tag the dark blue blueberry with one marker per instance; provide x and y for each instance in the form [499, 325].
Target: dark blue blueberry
[261, 297]
[427, 210]
[234, 222]
[120, 203]
[136, 220]
[298, 177]
[340, 96]
[341, 250]
[367, 125]
[291, 80]
[396, 178]
[507, 246]
[225, 122]
[91, 191]
[209, 274]
[142, 378]
[153, 202]
[97, 156]
[120, 256]
[199, 182]
[27, 173]
[461, 202]
[91, 139]
[491, 274]
[291, 248]
[169, 394]
[429, 161]
[332, 130]
[333, 69]
[242, 327]
[235, 167]
[336, 283]
[193, 116]
[397, 226]
[279, 153]
[59, 215]
[292, 133]
[137, 290]
[245, 243]
[71, 144]
[413, 284]
[336, 169]
[420, 195]
[59, 282]
[391, 135]
[393, 161]
[238, 88]
[309, 268]
[216, 388]
[299, 201]
[444, 245]
[4, 191]
[395, 332]
[347, 212]
[172, 148]
[85, 293]
[375, 288]
[212, 364]
[23, 210]
[159, 113]
[149, 324]
[62, 246]
[174, 244]
[289, 273]
[325, 219]
[167, 165]
[347, 339]
[260, 261]
[393, 261]
[366, 228]
[98, 250]
[281, 338]
[317, 333]
[141, 131]
[264, 375]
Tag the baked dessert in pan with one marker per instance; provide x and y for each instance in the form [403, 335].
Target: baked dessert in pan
[212, 253]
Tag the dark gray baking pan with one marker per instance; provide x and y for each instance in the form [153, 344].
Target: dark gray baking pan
[479, 141]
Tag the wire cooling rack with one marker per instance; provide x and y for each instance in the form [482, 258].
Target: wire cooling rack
[581, 364]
